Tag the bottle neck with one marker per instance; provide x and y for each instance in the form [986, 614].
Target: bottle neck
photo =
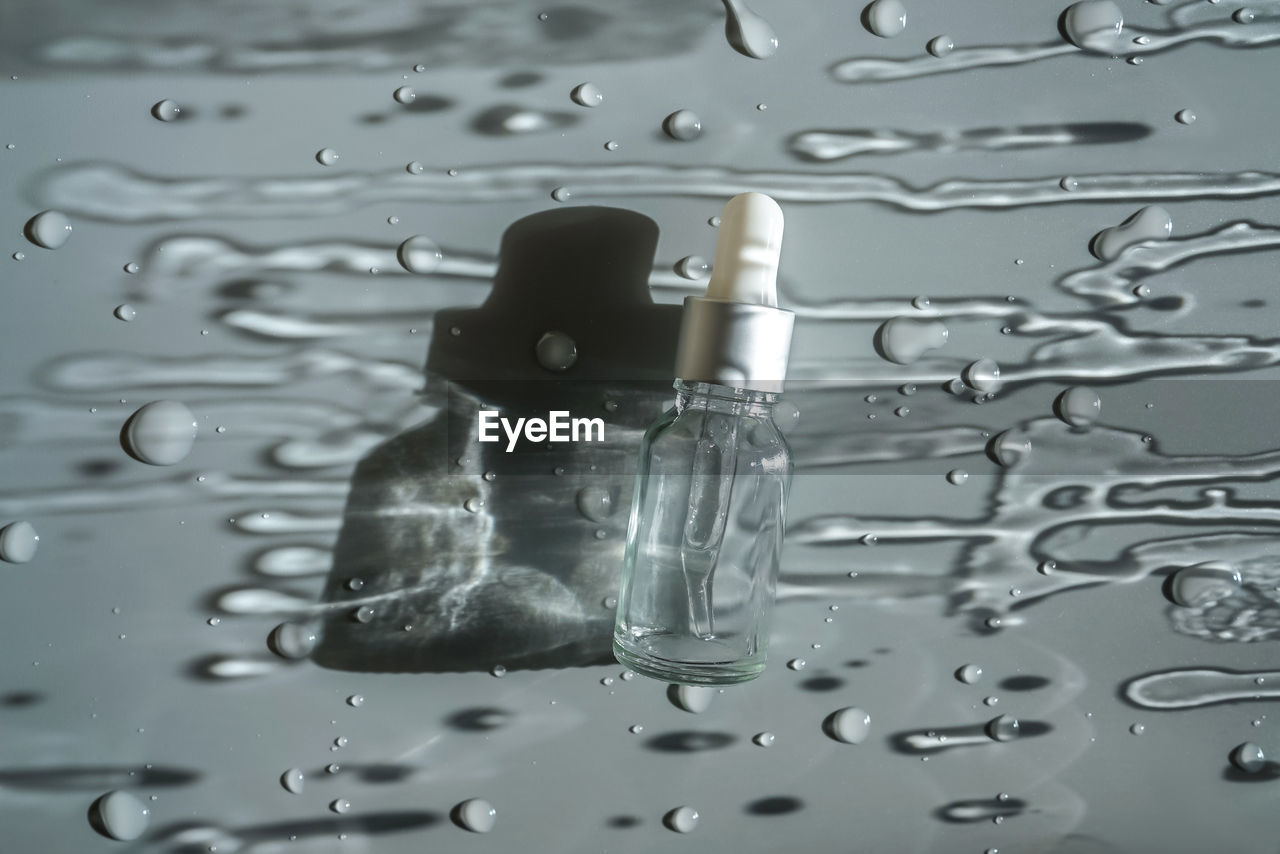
[724, 399]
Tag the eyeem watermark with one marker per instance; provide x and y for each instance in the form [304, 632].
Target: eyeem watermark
[556, 427]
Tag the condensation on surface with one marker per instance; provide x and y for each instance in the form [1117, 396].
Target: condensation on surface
[1034, 514]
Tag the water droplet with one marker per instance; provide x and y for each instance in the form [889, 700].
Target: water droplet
[452, 173]
[292, 640]
[851, 725]
[693, 267]
[748, 33]
[561, 194]
[595, 503]
[940, 45]
[606, 681]
[326, 157]
[363, 614]
[1134, 60]
[498, 670]
[691, 698]
[556, 351]
[1248, 757]
[413, 167]
[166, 110]
[1069, 184]
[683, 125]
[18, 542]
[1184, 117]
[1204, 584]
[682, 819]
[341, 805]
[1137, 729]
[1010, 448]
[796, 664]
[132, 267]
[49, 229]
[1150, 223]
[983, 375]
[1047, 567]
[969, 674]
[921, 302]
[473, 505]
[19, 256]
[1094, 25]
[160, 433]
[214, 621]
[355, 583]
[587, 95]
[477, 815]
[419, 68]
[419, 254]
[1003, 728]
[762, 107]
[1142, 291]
[355, 700]
[714, 222]
[340, 741]
[405, 95]
[220, 429]
[957, 476]
[764, 739]
[902, 411]
[1079, 406]
[904, 340]
[886, 18]
[122, 816]
[1244, 16]
[292, 780]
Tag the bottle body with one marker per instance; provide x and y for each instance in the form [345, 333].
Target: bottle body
[704, 539]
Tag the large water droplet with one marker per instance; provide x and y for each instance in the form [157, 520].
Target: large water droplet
[1094, 25]
[940, 45]
[764, 739]
[50, 229]
[161, 433]
[1184, 117]
[419, 254]
[1079, 406]
[1150, 223]
[957, 477]
[326, 157]
[556, 351]
[1003, 728]
[595, 502]
[587, 95]
[969, 674]
[1204, 584]
[748, 33]
[477, 815]
[983, 375]
[405, 95]
[683, 125]
[851, 725]
[1010, 448]
[1248, 757]
[691, 698]
[121, 815]
[292, 780]
[904, 339]
[693, 267]
[166, 110]
[340, 805]
[682, 819]
[18, 542]
[886, 18]
[292, 640]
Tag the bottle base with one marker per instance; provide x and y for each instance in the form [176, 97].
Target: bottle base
[687, 672]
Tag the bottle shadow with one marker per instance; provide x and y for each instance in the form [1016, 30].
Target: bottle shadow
[458, 555]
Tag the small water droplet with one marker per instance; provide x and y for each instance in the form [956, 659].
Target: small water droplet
[714, 222]
[1248, 757]
[886, 18]
[969, 674]
[405, 95]
[1244, 16]
[214, 621]
[921, 302]
[341, 805]
[957, 477]
[796, 664]
[355, 583]
[332, 768]
[587, 95]
[419, 68]
[561, 194]
[1079, 406]
[327, 157]
[1047, 567]
[595, 503]
[355, 700]
[1003, 728]
[1137, 729]
[413, 167]
[983, 375]
[473, 505]
[1069, 184]
[611, 145]
[764, 739]
[363, 614]
[682, 125]
[902, 411]
[682, 819]
[166, 110]
[132, 268]
[19, 256]
[498, 670]
[477, 815]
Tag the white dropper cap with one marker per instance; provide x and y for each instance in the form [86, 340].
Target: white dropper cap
[736, 335]
[747, 251]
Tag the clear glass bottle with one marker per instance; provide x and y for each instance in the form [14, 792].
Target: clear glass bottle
[705, 539]
[705, 535]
